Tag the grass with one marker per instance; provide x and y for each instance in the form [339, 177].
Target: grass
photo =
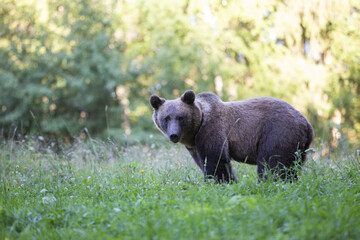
[97, 190]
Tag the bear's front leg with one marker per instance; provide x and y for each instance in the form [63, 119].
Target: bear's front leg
[213, 149]
[219, 170]
[211, 172]
[196, 157]
[217, 164]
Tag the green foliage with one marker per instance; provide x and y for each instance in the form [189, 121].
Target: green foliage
[59, 66]
[95, 190]
[69, 65]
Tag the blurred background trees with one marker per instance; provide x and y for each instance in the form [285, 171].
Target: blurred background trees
[70, 65]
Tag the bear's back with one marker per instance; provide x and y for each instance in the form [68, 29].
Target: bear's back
[264, 110]
[260, 107]
[251, 112]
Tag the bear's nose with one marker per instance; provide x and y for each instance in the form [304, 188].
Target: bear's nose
[174, 138]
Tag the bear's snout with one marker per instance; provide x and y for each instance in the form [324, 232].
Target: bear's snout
[174, 138]
[174, 131]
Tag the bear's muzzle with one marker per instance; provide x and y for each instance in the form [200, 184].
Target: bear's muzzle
[174, 138]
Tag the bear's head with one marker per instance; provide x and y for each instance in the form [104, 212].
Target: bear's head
[178, 119]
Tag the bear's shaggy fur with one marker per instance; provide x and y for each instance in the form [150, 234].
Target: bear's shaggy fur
[263, 131]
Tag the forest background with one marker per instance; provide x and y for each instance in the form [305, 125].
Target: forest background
[79, 67]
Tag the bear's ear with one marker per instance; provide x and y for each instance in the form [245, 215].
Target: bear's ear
[156, 102]
[188, 97]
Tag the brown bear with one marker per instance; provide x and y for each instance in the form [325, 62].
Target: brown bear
[263, 131]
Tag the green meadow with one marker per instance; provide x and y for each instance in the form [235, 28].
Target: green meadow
[98, 190]
[69, 69]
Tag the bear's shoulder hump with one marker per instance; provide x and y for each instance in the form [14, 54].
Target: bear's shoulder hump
[207, 96]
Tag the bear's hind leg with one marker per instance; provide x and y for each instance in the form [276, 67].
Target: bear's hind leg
[276, 171]
[276, 166]
[265, 170]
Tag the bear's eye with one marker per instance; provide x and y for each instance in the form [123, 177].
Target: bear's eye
[167, 119]
[181, 118]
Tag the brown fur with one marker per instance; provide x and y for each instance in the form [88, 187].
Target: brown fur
[264, 131]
